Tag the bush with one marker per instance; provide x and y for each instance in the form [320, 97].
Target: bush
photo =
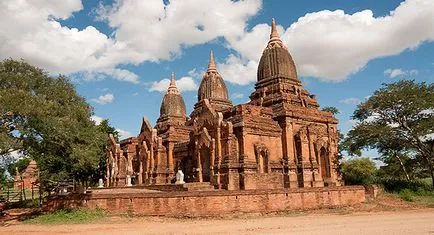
[406, 195]
[397, 185]
[358, 171]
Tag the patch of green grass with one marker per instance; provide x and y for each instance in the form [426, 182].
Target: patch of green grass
[422, 197]
[406, 195]
[76, 216]
[427, 180]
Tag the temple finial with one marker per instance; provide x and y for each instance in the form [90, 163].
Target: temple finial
[274, 34]
[172, 79]
[172, 86]
[211, 65]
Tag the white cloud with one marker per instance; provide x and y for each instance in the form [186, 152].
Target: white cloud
[124, 134]
[152, 31]
[197, 74]
[391, 73]
[143, 31]
[105, 99]
[237, 70]
[351, 100]
[96, 119]
[331, 45]
[135, 94]
[183, 84]
[237, 95]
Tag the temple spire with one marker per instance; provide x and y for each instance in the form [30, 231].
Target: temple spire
[211, 65]
[172, 86]
[274, 34]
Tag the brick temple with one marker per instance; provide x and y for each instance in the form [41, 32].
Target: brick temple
[280, 139]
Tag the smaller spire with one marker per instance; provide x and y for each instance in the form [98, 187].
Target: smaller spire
[274, 34]
[211, 65]
[172, 86]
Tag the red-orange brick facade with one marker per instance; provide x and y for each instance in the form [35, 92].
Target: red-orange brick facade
[280, 139]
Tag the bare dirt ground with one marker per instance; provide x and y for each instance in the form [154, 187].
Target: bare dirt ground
[387, 215]
[392, 222]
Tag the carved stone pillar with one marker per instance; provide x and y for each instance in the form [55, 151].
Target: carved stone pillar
[129, 164]
[212, 160]
[170, 164]
[218, 145]
[152, 160]
[290, 174]
[141, 159]
[199, 166]
[306, 163]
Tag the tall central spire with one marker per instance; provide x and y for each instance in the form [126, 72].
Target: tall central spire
[274, 36]
[172, 86]
[211, 65]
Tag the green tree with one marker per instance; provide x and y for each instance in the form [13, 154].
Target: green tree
[330, 109]
[19, 165]
[358, 171]
[44, 117]
[397, 120]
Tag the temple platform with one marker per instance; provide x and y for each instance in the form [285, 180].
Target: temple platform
[144, 201]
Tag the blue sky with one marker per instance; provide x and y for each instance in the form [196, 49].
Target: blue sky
[118, 53]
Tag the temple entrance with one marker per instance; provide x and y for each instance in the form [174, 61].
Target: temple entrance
[187, 168]
[325, 163]
[205, 163]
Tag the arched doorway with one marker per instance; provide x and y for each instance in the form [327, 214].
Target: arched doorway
[205, 163]
[325, 163]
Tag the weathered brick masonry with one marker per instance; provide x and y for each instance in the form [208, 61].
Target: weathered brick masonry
[279, 139]
[212, 203]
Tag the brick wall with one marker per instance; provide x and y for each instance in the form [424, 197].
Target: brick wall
[263, 181]
[213, 202]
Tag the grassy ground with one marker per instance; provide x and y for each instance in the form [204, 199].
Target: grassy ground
[77, 216]
[424, 198]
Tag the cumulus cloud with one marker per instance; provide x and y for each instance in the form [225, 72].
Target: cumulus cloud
[183, 84]
[105, 99]
[124, 134]
[351, 100]
[96, 119]
[237, 70]
[32, 30]
[331, 45]
[391, 73]
[151, 30]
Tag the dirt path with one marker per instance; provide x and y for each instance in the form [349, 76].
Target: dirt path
[395, 222]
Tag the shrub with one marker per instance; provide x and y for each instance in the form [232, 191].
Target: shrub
[406, 195]
[398, 185]
[358, 171]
